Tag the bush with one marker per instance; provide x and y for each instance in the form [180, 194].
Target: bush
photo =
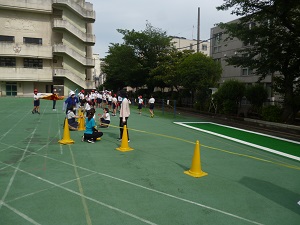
[256, 95]
[229, 96]
[272, 113]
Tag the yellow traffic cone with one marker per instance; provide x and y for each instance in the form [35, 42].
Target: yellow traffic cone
[195, 170]
[124, 143]
[81, 122]
[66, 138]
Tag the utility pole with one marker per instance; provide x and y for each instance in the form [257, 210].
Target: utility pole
[198, 31]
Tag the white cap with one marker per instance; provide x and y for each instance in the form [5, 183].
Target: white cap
[72, 93]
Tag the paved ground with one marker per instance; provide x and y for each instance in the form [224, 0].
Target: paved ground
[43, 182]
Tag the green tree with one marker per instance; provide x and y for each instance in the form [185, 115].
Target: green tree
[198, 73]
[166, 71]
[274, 38]
[229, 95]
[120, 67]
[148, 46]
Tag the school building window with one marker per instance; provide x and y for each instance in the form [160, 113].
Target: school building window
[204, 47]
[246, 71]
[11, 89]
[33, 63]
[29, 40]
[4, 38]
[7, 62]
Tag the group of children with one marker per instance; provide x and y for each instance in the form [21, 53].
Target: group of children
[87, 103]
[88, 107]
[101, 99]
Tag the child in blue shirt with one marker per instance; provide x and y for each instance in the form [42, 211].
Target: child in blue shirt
[91, 133]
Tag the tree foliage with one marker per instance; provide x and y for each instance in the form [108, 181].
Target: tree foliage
[121, 67]
[147, 46]
[270, 31]
[148, 58]
[198, 71]
[256, 95]
[166, 73]
[229, 95]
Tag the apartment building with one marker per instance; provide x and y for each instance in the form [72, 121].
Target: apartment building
[182, 43]
[221, 49]
[45, 44]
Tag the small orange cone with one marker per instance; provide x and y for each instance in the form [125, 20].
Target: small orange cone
[81, 121]
[66, 138]
[124, 143]
[195, 170]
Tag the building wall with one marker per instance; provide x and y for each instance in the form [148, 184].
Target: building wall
[185, 44]
[70, 65]
[222, 49]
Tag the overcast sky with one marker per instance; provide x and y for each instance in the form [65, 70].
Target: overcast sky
[176, 17]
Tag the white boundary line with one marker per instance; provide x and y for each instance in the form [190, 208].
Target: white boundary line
[133, 184]
[130, 183]
[85, 197]
[20, 214]
[244, 142]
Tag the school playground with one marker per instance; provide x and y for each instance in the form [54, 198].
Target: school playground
[251, 178]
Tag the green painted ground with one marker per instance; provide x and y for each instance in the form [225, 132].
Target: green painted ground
[43, 182]
[272, 143]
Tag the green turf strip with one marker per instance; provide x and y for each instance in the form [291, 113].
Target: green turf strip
[268, 142]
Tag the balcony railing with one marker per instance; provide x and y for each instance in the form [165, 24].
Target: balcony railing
[58, 72]
[85, 11]
[28, 5]
[26, 74]
[60, 48]
[64, 24]
[25, 50]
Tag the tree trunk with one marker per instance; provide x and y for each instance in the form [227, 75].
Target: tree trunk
[288, 115]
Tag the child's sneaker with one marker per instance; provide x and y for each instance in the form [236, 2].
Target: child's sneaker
[82, 139]
[90, 141]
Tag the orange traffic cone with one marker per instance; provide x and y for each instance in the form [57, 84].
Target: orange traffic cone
[66, 138]
[81, 121]
[124, 143]
[195, 170]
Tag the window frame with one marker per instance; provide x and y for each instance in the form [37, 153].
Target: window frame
[32, 41]
[33, 63]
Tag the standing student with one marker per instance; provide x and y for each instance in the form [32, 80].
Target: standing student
[87, 107]
[140, 104]
[36, 102]
[114, 105]
[119, 102]
[124, 114]
[91, 133]
[54, 93]
[81, 97]
[151, 106]
[71, 101]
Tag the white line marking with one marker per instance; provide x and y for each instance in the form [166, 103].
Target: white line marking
[248, 131]
[15, 171]
[47, 189]
[86, 197]
[20, 214]
[244, 142]
[152, 190]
